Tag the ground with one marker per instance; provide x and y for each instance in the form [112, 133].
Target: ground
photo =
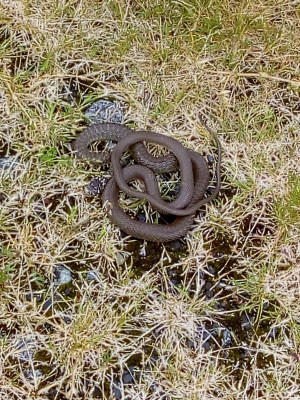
[86, 312]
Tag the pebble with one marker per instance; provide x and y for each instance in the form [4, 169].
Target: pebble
[127, 377]
[120, 258]
[62, 274]
[26, 347]
[116, 390]
[247, 322]
[211, 270]
[93, 275]
[141, 218]
[47, 305]
[210, 159]
[226, 339]
[273, 333]
[204, 335]
[104, 111]
[33, 374]
[97, 185]
[143, 252]
[9, 162]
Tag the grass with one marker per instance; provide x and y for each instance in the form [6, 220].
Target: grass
[213, 316]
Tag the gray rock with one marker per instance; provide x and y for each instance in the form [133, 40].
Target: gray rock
[93, 275]
[97, 185]
[9, 162]
[247, 322]
[127, 378]
[33, 374]
[116, 390]
[25, 348]
[273, 333]
[210, 159]
[226, 338]
[104, 111]
[204, 336]
[62, 274]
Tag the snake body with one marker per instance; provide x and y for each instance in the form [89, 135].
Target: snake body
[194, 179]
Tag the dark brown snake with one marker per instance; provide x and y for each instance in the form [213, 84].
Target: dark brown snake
[193, 171]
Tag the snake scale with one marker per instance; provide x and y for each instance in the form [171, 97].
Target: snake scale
[194, 175]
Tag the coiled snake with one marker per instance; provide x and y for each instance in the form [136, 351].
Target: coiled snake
[193, 171]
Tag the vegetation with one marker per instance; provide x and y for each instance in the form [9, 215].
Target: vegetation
[214, 316]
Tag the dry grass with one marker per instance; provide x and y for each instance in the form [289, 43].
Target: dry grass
[237, 64]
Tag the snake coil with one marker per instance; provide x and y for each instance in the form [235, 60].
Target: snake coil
[193, 171]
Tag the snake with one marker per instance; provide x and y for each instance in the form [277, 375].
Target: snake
[194, 174]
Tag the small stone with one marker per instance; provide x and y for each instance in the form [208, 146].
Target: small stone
[47, 305]
[154, 358]
[210, 159]
[141, 218]
[206, 345]
[62, 274]
[127, 378]
[33, 374]
[227, 341]
[97, 185]
[9, 162]
[273, 333]
[93, 275]
[120, 258]
[28, 297]
[190, 344]
[211, 270]
[247, 322]
[116, 390]
[266, 305]
[104, 111]
[143, 252]
[26, 347]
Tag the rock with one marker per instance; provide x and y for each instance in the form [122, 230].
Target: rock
[226, 338]
[104, 111]
[116, 390]
[9, 162]
[273, 333]
[25, 348]
[211, 270]
[62, 274]
[93, 275]
[120, 258]
[143, 252]
[48, 304]
[247, 322]
[210, 159]
[127, 378]
[33, 374]
[141, 218]
[97, 185]
[204, 335]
